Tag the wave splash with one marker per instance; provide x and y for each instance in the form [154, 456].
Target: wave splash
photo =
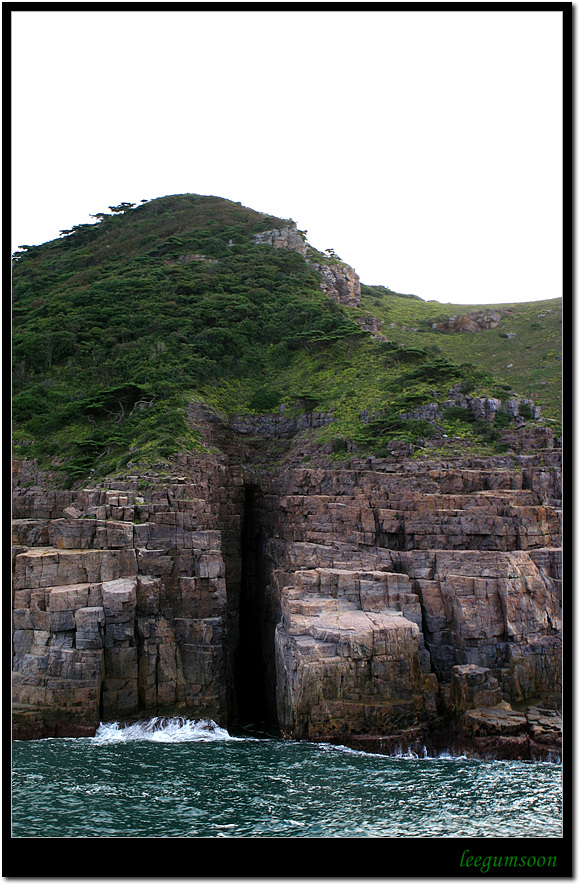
[409, 753]
[161, 730]
[424, 754]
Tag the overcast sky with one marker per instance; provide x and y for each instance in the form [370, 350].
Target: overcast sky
[425, 148]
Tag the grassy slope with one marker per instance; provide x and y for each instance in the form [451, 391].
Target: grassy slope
[116, 326]
[529, 362]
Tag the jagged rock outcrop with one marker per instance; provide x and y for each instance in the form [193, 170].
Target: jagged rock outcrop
[338, 280]
[475, 321]
[487, 408]
[382, 601]
[371, 324]
[288, 237]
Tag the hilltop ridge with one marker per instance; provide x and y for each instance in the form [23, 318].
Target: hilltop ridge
[119, 325]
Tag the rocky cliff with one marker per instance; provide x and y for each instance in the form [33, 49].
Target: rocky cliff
[379, 602]
[322, 549]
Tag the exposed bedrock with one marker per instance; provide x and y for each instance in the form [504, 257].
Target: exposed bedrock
[125, 601]
[338, 280]
[371, 602]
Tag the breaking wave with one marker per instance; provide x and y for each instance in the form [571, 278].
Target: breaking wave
[438, 756]
[161, 730]
[424, 754]
[399, 753]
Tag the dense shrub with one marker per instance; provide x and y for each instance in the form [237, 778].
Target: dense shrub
[117, 325]
[154, 303]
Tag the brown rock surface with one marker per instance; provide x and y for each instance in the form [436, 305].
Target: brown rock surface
[340, 282]
[475, 321]
[385, 599]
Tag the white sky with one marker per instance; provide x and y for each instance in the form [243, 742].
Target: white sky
[424, 147]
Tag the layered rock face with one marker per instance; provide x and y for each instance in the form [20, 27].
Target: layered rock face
[391, 581]
[120, 601]
[379, 601]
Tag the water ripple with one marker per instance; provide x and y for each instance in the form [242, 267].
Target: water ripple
[177, 777]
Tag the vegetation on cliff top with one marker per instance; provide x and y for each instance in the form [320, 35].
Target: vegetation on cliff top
[524, 351]
[118, 324]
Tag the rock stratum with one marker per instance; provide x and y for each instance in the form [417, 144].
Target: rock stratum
[386, 603]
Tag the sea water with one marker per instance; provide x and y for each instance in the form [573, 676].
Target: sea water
[184, 778]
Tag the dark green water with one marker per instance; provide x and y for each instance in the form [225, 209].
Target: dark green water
[180, 778]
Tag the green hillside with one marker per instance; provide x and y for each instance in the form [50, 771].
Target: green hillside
[117, 325]
[530, 362]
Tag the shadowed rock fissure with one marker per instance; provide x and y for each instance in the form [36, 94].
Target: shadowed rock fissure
[254, 662]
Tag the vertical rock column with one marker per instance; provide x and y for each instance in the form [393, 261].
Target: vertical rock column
[59, 640]
[125, 614]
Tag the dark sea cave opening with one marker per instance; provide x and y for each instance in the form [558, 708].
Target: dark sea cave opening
[254, 671]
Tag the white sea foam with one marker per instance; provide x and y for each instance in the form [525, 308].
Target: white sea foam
[341, 748]
[398, 754]
[423, 755]
[160, 730]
